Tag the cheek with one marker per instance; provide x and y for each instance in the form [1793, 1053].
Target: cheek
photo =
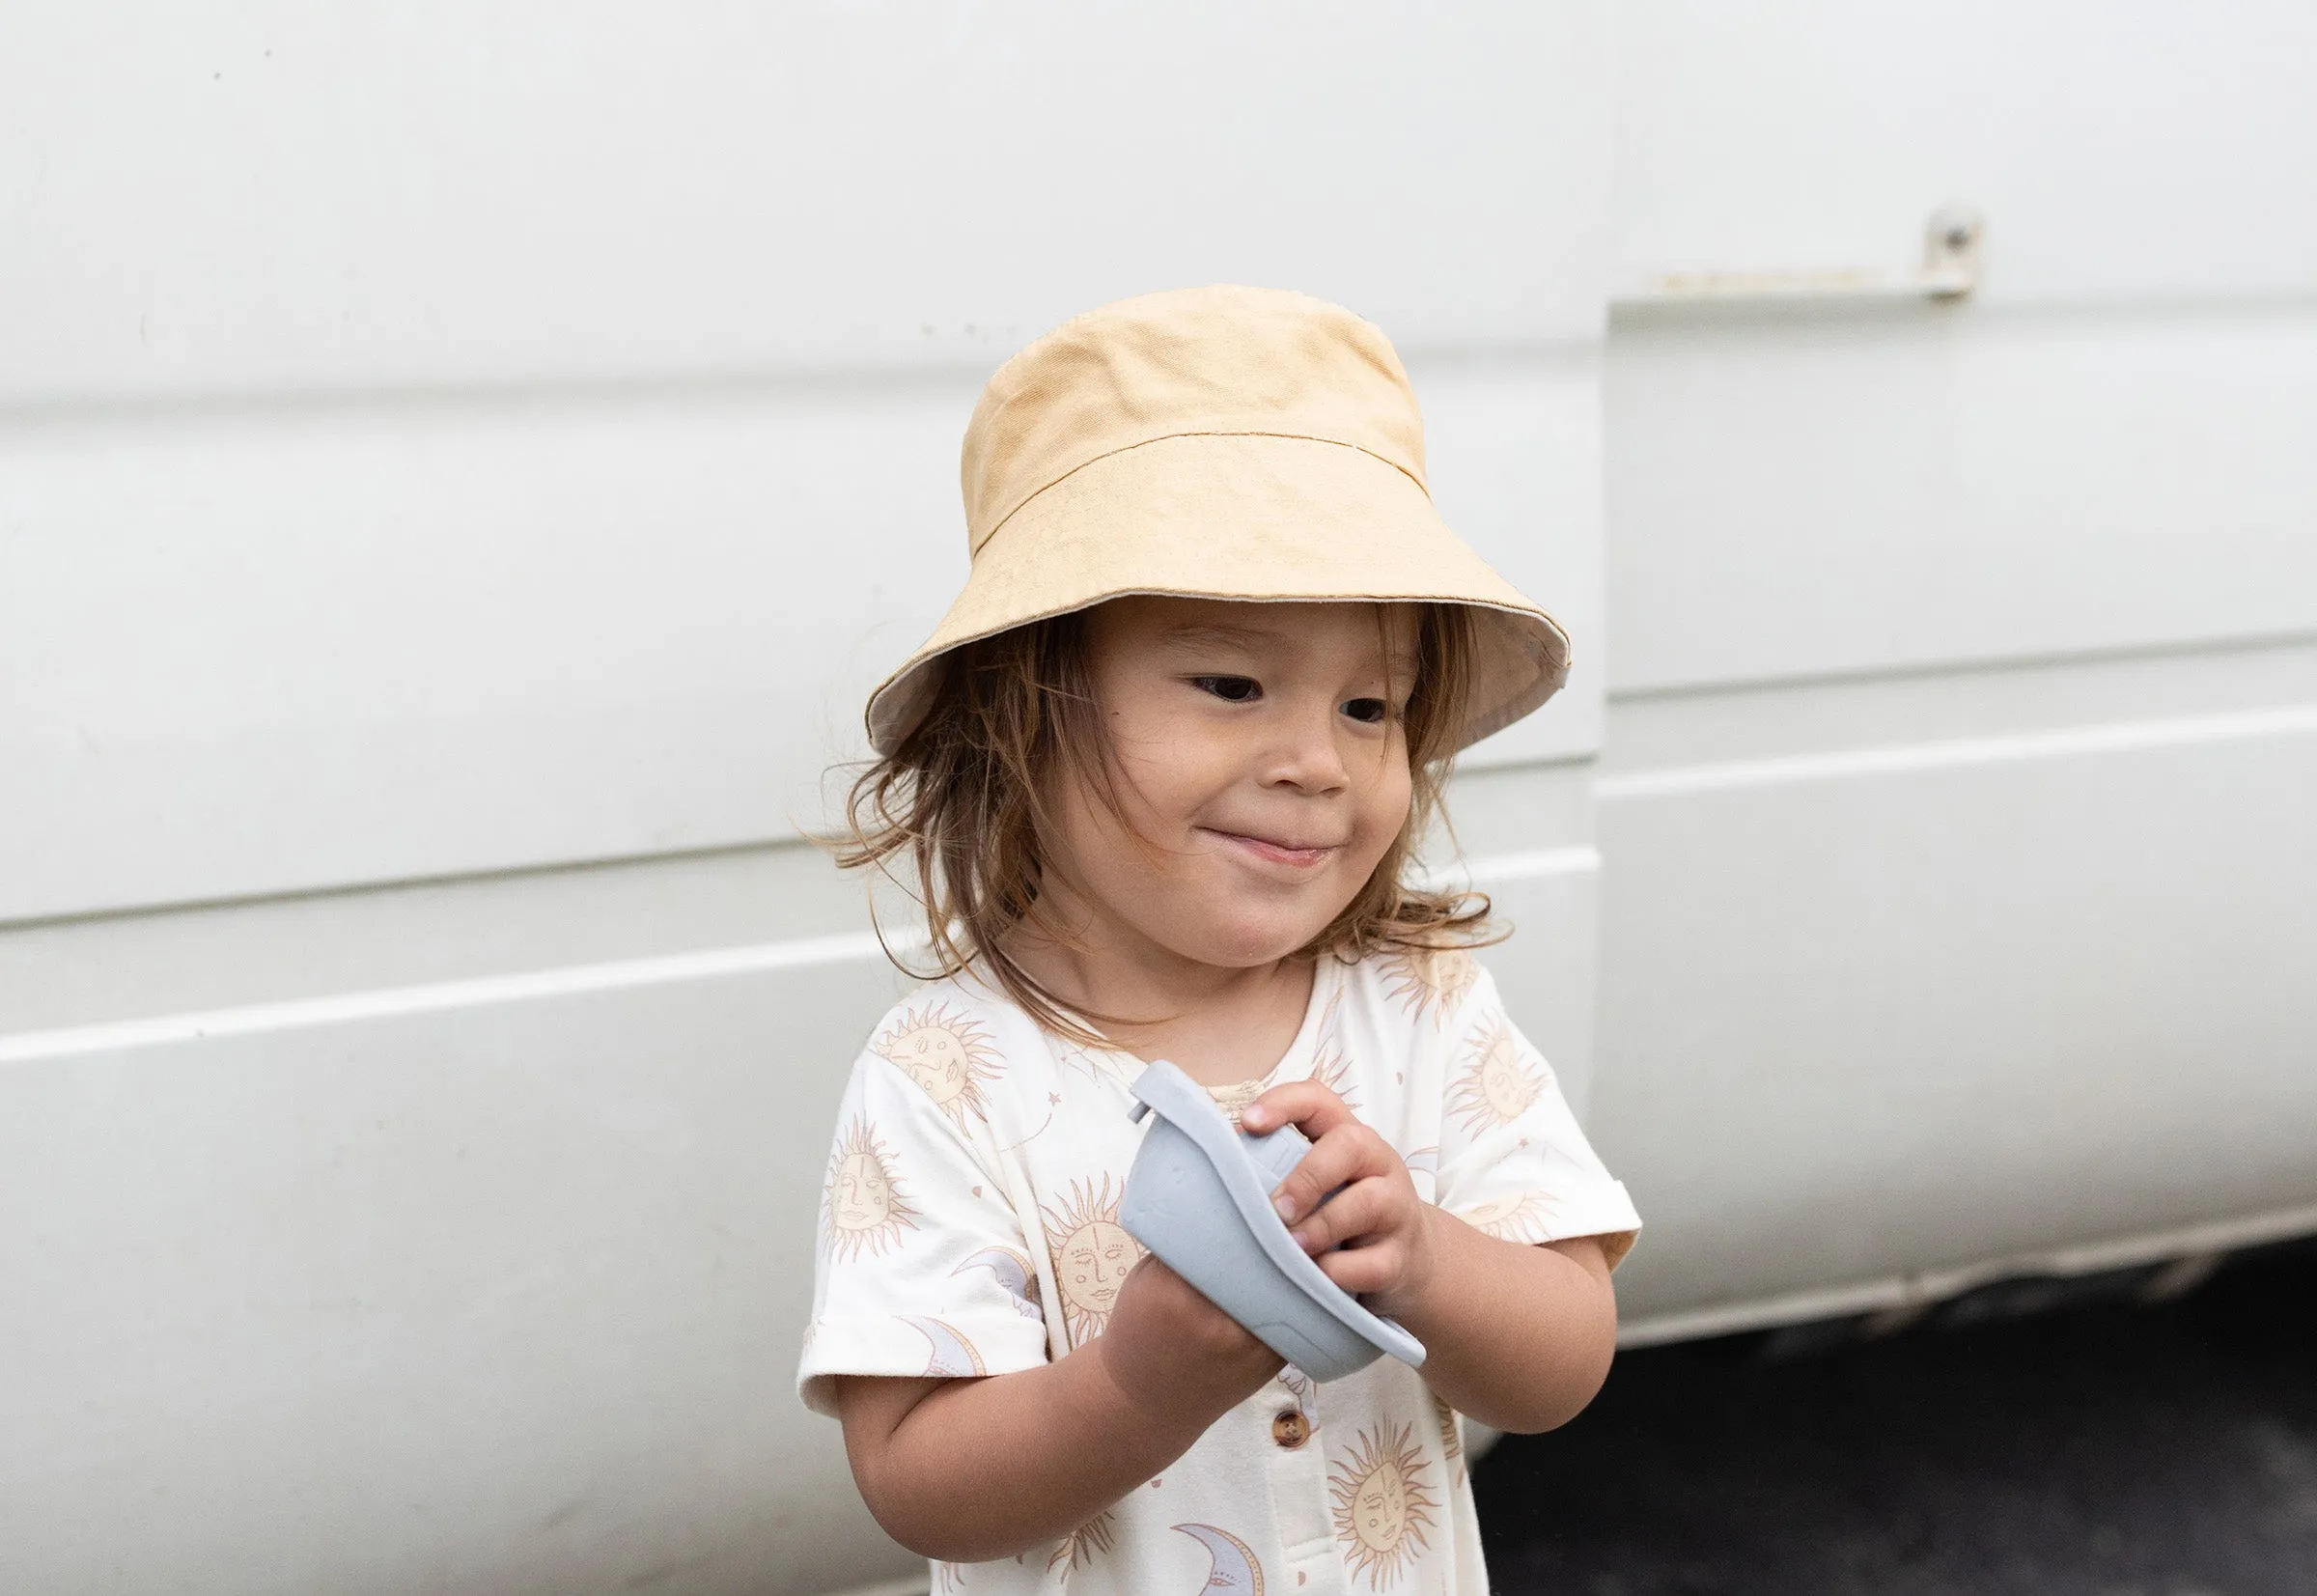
[1384, 806]
[1161, 786]
[1169, 773]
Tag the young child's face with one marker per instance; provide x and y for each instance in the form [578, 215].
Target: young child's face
[1262, 759]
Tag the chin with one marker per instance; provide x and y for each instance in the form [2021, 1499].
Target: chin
[1243, 945]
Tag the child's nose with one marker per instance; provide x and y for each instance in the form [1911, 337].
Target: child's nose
[1309, 753]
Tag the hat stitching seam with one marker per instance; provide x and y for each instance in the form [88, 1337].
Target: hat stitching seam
[1304, 437]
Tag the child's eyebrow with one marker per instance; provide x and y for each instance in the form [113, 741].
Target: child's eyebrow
[1222, 632]
[1223, 635]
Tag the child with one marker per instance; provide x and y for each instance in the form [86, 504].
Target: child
[1158, 774]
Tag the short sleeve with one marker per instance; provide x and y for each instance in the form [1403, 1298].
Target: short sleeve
[920, 1268]
[1513, 1163]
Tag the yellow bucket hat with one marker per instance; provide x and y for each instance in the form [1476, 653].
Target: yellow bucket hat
[1215, 443]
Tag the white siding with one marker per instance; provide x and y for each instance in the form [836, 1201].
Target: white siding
[1957, 874]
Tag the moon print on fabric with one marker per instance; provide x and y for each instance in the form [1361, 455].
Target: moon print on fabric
[953, 1357]
[1092, 1254]
[1381, 1503]
[1524, 1216]
[1235, 1571]
[1452, 1440]
[864, 1203]
[1082, 1545]
[1299, 1386]
[1429, 982]
[947, 1053]
[1012, 1272]
[1496, 1085]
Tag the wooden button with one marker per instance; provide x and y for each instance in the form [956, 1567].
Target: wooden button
[1290, 1429]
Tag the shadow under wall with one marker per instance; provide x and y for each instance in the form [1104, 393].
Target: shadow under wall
[2108, 1450]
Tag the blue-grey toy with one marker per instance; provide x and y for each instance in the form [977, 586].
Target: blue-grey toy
[1200, 1197]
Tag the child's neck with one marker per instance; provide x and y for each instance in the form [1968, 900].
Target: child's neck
[1220, 1024]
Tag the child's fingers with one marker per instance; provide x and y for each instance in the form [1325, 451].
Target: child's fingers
[1306, 1105]
[1348, 1153]
[1361, 1209]
[1364, 1270]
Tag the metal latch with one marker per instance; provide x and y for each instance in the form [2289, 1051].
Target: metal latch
[1952, 241]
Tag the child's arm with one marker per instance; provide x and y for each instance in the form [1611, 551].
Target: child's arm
[1517, 1336]
[970, 1469]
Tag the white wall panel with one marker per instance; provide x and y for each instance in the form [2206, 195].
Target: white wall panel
[1871, 1012]
[2117, 150]
[1955, 880]
[1513, 451]
[236, 197]
[259, 650]
[498, 1296]
[1817, 489]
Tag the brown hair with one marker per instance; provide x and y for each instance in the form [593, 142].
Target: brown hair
[965, 799]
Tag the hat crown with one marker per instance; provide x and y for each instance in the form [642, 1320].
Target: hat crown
[1207, 360]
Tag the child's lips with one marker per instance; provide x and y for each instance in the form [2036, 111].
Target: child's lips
[1303, 855]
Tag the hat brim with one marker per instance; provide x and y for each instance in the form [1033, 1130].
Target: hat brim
[1250, 517]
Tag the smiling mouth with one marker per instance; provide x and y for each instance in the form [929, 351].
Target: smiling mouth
[1281, 852]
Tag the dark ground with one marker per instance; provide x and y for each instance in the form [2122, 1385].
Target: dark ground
[2108, 1450]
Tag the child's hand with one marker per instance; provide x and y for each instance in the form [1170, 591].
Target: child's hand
[1167, 1347]
[1378, 1229]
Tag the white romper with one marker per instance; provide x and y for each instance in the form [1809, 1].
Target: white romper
[969, 1226]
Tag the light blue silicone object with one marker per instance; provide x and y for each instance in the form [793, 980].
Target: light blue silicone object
[1200, 1197]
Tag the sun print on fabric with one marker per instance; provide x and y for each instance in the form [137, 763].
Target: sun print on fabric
[1233, 1100]
[1524, 1216]
[1082, 1545]
[1333, 1070]
[1452, 1440]
[1496, 1084]
[1331, 1066]
[865, 1205]
[1092, 1253]
[1383, 1502]
[1234, 1570]
[947, 1053]
[1429, 982]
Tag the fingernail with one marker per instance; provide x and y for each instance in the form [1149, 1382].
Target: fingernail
[1286, 1207]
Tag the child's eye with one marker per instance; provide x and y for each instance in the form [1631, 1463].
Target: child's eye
[1232, 689]
[1372, 711]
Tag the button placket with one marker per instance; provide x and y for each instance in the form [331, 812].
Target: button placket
[1312, 1565]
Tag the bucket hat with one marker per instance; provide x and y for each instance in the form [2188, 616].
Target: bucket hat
[1219, 442]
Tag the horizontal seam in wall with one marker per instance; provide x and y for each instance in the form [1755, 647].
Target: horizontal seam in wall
[570, 980]
[432, 998]
[2124, 738]
[1504, 869]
